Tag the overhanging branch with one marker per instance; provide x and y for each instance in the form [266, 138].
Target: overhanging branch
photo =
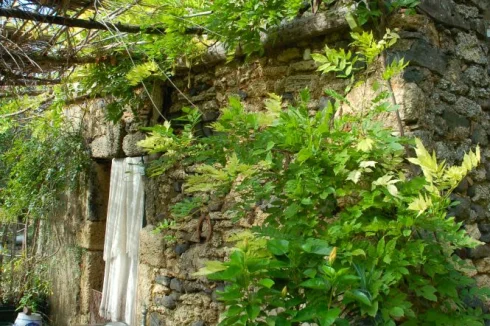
[86, 24]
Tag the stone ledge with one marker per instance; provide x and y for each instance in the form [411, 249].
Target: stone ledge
[303, 28]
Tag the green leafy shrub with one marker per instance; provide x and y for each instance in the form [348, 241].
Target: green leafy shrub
[349, 238]
[25, 284]
[351, 235]
[44, 160]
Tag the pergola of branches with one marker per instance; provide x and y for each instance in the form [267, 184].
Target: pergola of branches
[42, 40]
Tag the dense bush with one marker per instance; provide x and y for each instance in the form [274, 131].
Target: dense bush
[350, 237]
[352, 234]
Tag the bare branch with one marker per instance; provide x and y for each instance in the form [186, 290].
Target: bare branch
[86, 24]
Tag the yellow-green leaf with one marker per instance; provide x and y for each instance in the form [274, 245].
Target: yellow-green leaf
[354, 176]
[365, 145]
[210, 268]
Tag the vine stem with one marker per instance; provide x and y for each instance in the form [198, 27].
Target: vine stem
[380, 29]
[392, 95]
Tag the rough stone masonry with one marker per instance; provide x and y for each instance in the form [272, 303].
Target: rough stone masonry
[444, 98]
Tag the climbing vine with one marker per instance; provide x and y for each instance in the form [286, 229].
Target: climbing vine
[43, 159]
[237, 25]
[345, 232]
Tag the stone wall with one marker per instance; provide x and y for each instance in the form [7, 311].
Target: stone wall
[77, 266]
[444, 98]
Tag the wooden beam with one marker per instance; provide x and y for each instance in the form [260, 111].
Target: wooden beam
[85, 24]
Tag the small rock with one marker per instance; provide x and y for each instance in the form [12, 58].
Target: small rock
[482, 251]
[459, 88]
[469, 269]
[443, 152]
[473, 231]
[475, 302]
[483, 280]
[447, 97]
[323, 102]
[479, 174]
[181, 248]
[160, 289]
[309, 65]
[482, 4]
[468, 48]
[288, 55]
[467, 107]
[454, 119]
[156, 319]
[198, 323]
[461, 211]
[279, 71]
[414, 75]
[462, 187]
[414, 101]
[210, 116]
[242, 95]
[130, 146]
[467, 11]
[176, 284]
[479, 192]
[207, 131]
[166, 301]
[298, 83]
[477, 76]
[479, 136]
[483, 265]
[423, 54]
[480, 215]
[163, 280]
[485, 232]
[177, 185]
[307, 54]
[215, 205]
[210, 106]
[175, 296]
[192, 287]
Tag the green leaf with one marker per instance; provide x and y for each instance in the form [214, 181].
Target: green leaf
[292, 210]
[304, 154]
[278, 247]
[316, 283]
[351, 20]
[253, 311]
[328, 317]
[428, 292]
[310, 272]
[359, 296]
[320, 58]
[380, 248]
[266, 282]
[306, 314]
[329, 271]
[397, 312]
[306, 201]
[210, 268]
[358, 252]
[317, 247]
